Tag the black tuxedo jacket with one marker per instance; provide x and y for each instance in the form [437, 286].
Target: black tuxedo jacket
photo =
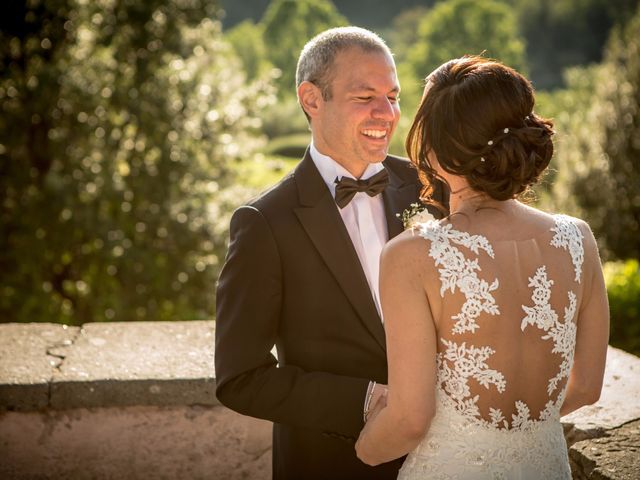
[292, 279]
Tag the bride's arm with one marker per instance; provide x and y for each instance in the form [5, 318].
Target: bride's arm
[411, 351]
[585, 379]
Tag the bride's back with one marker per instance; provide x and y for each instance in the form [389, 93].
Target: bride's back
[504, 291]
[515, 307]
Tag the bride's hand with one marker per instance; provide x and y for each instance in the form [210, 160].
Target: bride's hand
[378, 401]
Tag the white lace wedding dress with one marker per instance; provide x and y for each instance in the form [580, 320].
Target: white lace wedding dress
[506, 342]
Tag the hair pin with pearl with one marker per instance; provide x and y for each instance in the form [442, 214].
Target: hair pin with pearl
[490, 142]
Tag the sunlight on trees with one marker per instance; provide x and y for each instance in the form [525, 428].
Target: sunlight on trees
[130, 130]
[288, 25]
[458, 27]
[118, 142]
[598, 120]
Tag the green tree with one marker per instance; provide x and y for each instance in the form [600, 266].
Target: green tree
[120, 125]
[402, 34]
[288, 25]
[599, 146]
[565, 33]
[247, 41]
[458, 27]
[623, 289]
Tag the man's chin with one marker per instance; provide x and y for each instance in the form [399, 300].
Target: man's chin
[379, 156]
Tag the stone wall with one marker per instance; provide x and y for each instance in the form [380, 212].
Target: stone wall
[136, 400]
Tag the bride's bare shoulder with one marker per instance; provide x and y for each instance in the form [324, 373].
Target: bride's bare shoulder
[408, 243]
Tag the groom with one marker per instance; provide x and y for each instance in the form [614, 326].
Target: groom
[302, 268]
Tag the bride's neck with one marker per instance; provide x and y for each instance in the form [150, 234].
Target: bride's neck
[466, 200]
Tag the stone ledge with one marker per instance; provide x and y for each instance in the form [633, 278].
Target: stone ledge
[616, 455]
[26, 365]
[54, 369]
[619, 402]
[134, 443]
[106, 364]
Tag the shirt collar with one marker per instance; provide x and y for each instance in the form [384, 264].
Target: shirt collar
[330, 169]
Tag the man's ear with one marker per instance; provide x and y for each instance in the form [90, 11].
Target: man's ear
[310, 98]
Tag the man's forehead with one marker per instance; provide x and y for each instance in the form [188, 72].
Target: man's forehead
[363, 70]
[363, 86]
[355, 55]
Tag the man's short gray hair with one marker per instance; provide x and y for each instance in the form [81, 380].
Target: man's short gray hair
[316, 58]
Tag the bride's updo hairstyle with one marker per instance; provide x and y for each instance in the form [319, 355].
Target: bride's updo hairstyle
[477, 117]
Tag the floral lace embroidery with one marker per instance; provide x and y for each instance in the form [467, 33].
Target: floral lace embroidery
[569, 236]
[460, 443]
[545, 318]
[468, 362]
[455, 448]
[541, 314]
[564, 340]
[456, 271]
[457, 364]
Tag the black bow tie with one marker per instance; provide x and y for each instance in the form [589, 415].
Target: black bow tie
[346, 188]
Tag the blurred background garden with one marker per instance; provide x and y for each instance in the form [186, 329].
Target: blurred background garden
[130, 130]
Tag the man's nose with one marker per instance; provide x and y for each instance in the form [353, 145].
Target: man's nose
[385, 109]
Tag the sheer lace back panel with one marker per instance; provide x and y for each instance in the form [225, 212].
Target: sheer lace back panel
[506, 321]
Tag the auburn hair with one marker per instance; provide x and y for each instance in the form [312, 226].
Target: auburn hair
[477, 117]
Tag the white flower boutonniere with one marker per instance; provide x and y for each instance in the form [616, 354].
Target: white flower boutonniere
[416, 213]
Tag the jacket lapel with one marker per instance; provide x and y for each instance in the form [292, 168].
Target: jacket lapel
[321, 220]
[397, 197]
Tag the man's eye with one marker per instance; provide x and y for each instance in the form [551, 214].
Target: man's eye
[363, 99]
[394, 99]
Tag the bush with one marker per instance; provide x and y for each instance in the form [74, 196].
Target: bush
[623, 288]
[284, 117]
[598, 123]
[291, 146]
[119, 131]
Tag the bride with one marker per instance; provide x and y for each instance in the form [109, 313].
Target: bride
[496, 317]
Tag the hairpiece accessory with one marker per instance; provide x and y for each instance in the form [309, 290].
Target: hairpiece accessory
[482, 159]
[490, 142]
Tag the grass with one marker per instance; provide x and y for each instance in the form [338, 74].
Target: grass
[276, 160]
[262, 170]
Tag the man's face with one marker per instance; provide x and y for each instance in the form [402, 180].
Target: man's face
[355, 126]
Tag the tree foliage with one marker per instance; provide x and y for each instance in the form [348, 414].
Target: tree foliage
[288, 25]
[120, 124]
[623, 289]
[372, 14]
[402, 34]
[599, 123]
[566, 33]
[458, 27]
[247, 41]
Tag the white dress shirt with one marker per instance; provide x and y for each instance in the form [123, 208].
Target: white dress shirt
[363, 216]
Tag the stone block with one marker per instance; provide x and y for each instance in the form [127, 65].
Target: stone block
[134, 443]
[137, 363]
[28, 361]
[615, 456]
[619, 402]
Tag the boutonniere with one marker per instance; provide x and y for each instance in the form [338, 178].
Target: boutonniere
[416, 213]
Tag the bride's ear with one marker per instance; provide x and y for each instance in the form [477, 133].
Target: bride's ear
[310, 98]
